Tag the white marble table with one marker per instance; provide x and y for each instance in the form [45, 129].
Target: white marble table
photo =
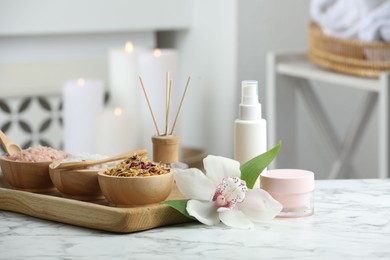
[351, 221]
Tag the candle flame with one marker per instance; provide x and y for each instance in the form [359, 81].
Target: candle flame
[157, 52]
[81, 82]
[117, 111]
[129, 47]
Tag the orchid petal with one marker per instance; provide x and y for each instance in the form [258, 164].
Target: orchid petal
[260, 206]
[204, 211]
[235, 218]
[218, 168]
[194, 184]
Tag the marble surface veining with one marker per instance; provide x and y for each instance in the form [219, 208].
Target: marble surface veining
[351, 221]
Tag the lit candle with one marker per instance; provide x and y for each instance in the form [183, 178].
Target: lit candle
[153, 66]
[115, 131]
[82, 102]
[123, 77]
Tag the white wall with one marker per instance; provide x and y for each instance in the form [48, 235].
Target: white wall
[266, 26]
[208, 52]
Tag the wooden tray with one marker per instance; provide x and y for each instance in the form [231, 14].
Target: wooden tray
[97, 214]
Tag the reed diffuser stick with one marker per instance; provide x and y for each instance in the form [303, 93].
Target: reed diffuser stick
[181, 103]
[169, 106]
[167, 94]
[150, 107]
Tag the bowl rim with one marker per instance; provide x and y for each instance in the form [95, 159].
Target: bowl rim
[101, 173]
[72, 170]
[4, 158]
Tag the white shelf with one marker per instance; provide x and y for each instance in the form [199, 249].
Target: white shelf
[88, 16]
[291, 72]
[303, 68]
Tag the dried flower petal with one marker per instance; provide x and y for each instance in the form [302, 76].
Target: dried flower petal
[136, 166]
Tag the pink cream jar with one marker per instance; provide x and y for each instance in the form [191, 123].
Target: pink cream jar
[294, 189]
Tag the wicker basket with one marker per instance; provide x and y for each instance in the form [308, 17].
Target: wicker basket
[367, 59]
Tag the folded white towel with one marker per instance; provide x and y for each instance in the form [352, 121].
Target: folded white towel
[341, 18]
[375, 26]
[319, 9]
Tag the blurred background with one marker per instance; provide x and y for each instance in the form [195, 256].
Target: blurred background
[219, 43]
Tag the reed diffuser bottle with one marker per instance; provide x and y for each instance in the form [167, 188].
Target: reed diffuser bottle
[250, 129]
[166, 145]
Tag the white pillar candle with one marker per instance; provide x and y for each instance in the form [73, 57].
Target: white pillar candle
[123, 77]
[115, 131]
[82, 102]
[153, 66]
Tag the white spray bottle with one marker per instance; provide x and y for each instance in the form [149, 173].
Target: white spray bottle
[250, 129]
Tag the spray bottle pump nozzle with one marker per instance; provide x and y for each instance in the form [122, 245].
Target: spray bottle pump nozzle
[249, 92]
[250, 108]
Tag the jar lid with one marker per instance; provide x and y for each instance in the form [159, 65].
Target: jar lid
[287, 181]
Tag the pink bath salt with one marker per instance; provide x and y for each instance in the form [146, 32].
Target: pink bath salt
[38, 154]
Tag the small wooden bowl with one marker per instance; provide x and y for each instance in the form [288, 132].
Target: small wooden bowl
[28, 176]
[132, 191]
[79, 184]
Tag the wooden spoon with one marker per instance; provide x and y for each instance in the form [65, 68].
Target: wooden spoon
[83, 164]
[10, 146]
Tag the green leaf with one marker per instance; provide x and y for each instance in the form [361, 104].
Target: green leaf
[179, 205]
[251, 170]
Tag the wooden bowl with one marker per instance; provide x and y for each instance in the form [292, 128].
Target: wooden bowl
[79, 184]
[132, 191]
[28, 176]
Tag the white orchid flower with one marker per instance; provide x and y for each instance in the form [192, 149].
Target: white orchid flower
[220, 195]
